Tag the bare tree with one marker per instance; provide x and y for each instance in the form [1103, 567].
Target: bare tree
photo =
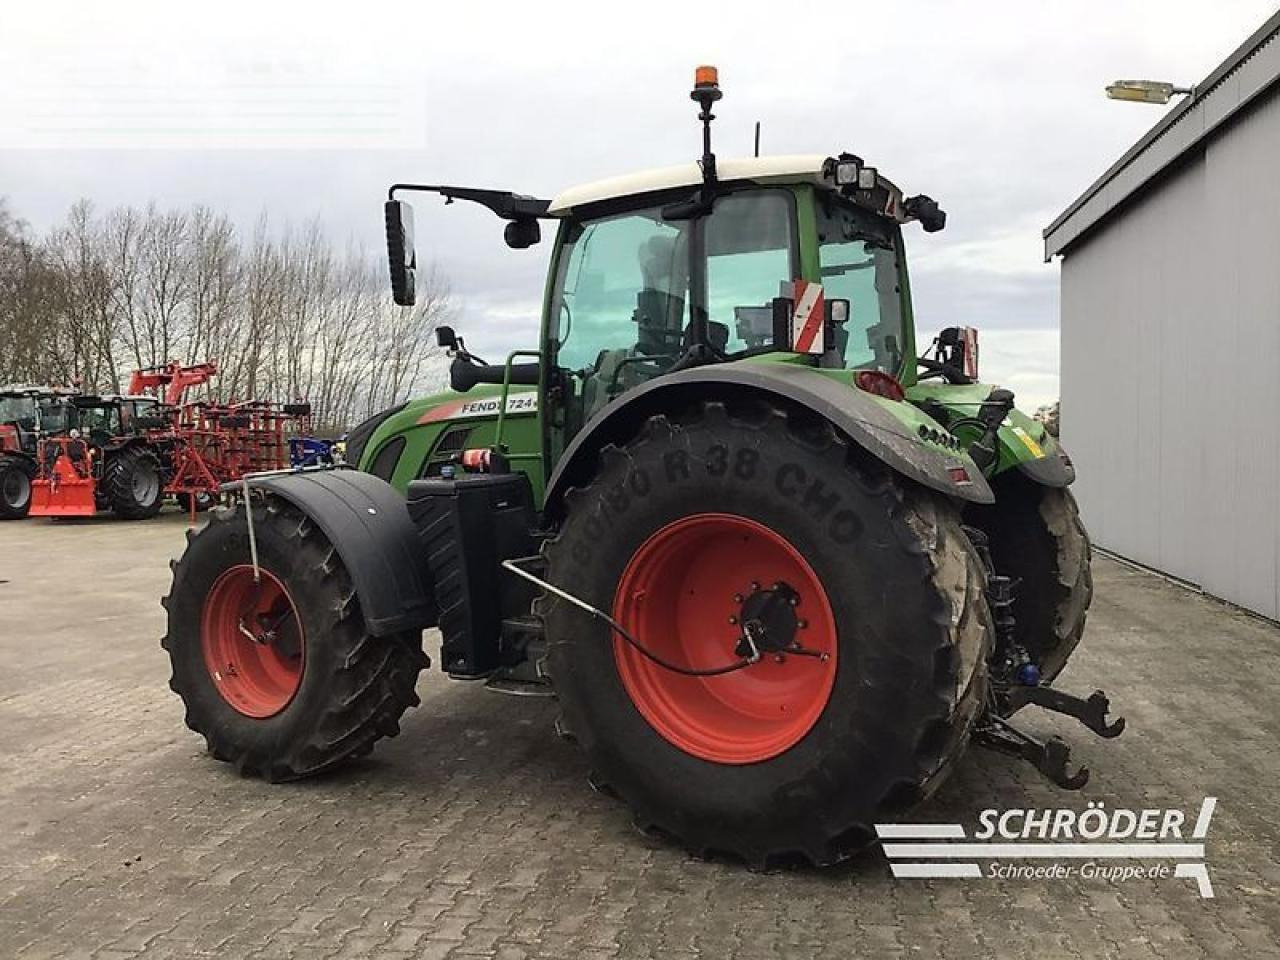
[287, 315]
[26, 303]
[86, 305]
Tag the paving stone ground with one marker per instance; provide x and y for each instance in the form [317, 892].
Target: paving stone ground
[475, 834]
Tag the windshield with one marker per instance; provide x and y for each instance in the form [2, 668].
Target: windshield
[54, 416]
[859, 263]
[19, 410]
[99, 422]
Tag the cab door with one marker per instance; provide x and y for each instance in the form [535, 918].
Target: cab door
[632, 292]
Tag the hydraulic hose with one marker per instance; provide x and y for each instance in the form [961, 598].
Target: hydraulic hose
[626, 635]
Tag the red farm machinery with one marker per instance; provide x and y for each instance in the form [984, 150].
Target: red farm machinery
[126, 453]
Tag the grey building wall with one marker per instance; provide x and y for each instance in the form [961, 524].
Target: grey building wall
[1171, 368]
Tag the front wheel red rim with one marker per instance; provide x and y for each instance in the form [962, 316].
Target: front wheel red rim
[682, 595]
[253, 643]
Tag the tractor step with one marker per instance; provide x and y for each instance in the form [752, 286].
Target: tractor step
[517, 687]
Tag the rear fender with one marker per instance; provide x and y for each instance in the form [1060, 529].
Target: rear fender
[888, 431]
[368, 523]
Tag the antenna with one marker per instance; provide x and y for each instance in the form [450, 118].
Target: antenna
[757, 153]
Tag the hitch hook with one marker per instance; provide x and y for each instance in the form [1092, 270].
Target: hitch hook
[1050, 757]
[1091, 712]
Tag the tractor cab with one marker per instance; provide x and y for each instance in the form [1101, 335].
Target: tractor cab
[796, 259]
[19, 418]
[105, 420]
[777, 263]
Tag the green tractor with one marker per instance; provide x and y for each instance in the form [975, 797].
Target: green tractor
[777, 569]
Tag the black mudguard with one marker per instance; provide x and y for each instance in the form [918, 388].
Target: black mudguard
[368, 523]
[1054, 469]
[850, 410]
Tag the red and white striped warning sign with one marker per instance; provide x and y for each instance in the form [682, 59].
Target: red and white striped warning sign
[807, 320]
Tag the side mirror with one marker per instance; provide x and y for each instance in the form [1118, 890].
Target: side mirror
[925, 209]
[400, 253]
[523, 233]
[445, 337]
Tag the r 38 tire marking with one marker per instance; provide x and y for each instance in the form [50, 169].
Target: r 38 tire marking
[789, 480]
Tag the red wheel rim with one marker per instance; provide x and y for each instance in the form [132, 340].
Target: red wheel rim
[258, 677]
[678, 596]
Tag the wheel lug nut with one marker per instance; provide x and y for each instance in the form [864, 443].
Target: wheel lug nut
[737, 598]
[755, 585]
[779, 658]
[795, 601]
[733, 619]
[802, 624]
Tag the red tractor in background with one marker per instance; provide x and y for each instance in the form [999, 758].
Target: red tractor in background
[104, 456]
[20, 427]
[127, 453]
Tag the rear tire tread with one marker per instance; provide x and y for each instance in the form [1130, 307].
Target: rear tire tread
[963, 620]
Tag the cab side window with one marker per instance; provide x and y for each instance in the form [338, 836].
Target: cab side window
[859, 264]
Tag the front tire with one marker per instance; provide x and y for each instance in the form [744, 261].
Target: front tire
[321, 688]
[16, 475]
[1036, 537]
[716, 762]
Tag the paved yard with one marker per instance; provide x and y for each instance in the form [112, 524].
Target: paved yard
[474, 832]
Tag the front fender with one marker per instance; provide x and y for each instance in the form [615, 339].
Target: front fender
[889, 431]
[1024, 443]
[368, 523]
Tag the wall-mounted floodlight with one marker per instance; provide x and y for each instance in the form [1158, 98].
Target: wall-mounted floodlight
[1146, 91]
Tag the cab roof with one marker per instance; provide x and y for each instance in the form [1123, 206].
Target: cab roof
[789, 169]
[34, 390]
[97, 399]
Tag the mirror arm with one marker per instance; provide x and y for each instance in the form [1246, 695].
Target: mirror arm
[504, 203]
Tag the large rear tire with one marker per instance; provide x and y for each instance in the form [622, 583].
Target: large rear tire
[16, 474]
[320, 689]
[780, 761]
[133, 483]
[1037, 538]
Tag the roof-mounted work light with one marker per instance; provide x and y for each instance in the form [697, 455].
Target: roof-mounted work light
[849, 171]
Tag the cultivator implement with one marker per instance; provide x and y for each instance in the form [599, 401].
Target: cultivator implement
[129, 452]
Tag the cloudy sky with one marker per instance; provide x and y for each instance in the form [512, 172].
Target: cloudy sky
[305, 109]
